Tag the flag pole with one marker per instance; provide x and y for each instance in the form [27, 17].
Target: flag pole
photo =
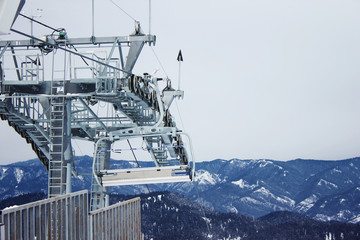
[149, 17]
[180, 59]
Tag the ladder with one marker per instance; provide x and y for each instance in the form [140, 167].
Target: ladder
[57, 166]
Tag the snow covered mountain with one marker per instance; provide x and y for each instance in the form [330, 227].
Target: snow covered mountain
[168, 215]
[324, 190]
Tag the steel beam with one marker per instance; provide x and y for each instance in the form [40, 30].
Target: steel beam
[81, 41]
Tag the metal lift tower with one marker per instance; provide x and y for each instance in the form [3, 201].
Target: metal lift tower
[49, 90]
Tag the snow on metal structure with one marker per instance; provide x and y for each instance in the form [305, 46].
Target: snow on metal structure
[49, 90]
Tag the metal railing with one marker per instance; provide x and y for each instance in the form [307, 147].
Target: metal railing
[67, 217]
[31, 108]
[62, 217]
[27, 67]
[118, 221]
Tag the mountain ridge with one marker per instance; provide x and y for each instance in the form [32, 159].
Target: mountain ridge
[169, 215]
[323, 190]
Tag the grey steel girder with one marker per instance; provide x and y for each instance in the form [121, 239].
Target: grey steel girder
[151, 39]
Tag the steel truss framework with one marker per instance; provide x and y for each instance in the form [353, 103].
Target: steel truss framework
[49, 104]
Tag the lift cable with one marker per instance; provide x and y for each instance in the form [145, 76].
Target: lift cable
[157, 58]
[122, 10]
[67, 50]
[43, 24]
[54, 29]
[181, 121]
[133, 153]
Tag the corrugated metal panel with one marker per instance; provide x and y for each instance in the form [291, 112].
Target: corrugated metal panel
[118, 221]
[61, 217]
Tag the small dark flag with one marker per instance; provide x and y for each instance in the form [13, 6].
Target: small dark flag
[179, 57]
[37, 61]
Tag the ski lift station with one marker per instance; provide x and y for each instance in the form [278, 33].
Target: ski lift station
[49, 88]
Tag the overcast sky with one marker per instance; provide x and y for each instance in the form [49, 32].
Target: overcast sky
[275, 79]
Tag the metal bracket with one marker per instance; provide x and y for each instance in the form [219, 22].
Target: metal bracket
[169, 96]
[144, 131]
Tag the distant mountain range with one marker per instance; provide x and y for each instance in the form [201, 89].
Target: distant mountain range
[168, 215]
[323, 190]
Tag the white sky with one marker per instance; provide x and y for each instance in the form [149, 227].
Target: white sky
[273, 79]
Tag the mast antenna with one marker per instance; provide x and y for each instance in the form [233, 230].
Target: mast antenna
[92, 19]
[149, 17]
[39, 14]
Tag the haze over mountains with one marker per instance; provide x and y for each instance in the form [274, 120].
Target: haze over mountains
[323, 190]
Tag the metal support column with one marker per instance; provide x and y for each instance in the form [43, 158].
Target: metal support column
[68, 150]
[99, 194]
